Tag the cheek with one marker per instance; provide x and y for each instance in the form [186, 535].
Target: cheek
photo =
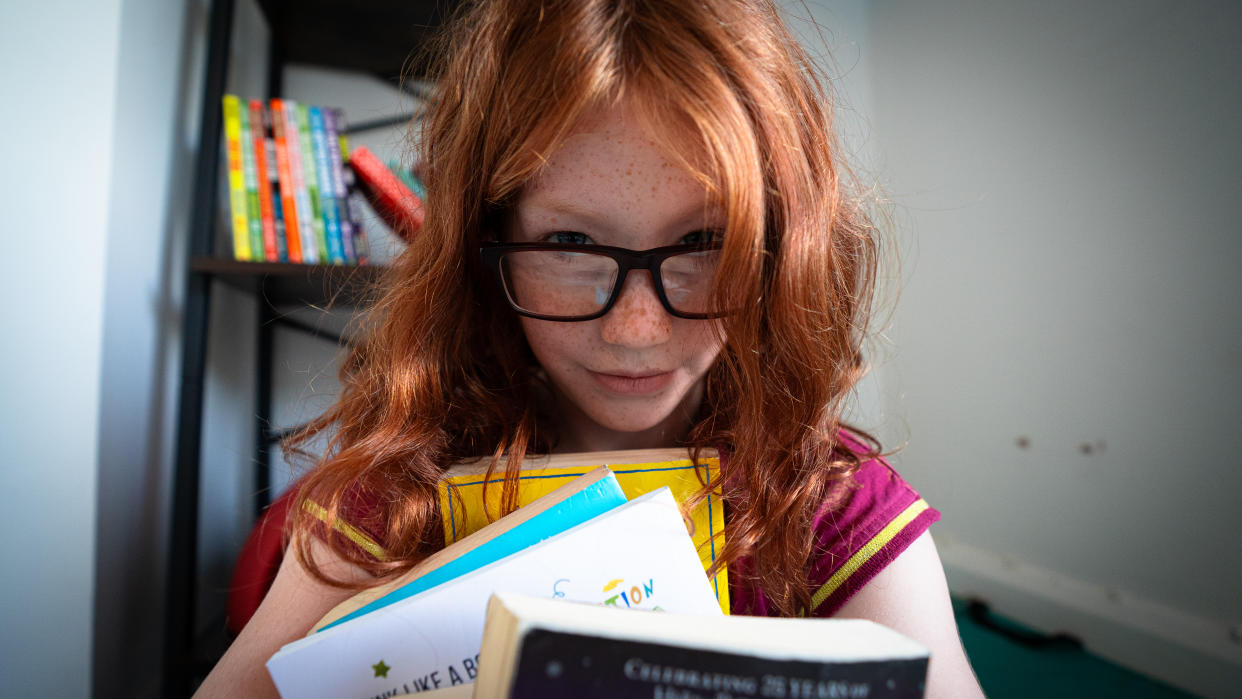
[551, 342]
[701, 343]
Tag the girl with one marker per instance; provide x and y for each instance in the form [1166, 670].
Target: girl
[638, 236]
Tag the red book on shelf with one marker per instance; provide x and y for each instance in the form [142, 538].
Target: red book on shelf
[392, 200]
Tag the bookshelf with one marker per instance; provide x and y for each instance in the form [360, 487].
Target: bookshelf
[378, 37]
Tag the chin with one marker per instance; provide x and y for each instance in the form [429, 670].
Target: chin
[635, 418]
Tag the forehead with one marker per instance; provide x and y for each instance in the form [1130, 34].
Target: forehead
[612, 164]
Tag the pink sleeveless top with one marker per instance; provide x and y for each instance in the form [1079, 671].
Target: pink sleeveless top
[874, 521]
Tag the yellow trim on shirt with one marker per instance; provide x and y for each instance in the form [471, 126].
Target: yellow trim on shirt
[362, 540]
[864, 554]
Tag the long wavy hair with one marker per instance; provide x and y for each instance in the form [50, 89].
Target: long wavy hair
[443, 373]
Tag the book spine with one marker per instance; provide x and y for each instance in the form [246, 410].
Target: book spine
[353, 198]
[357, 204]
[419, 189]
[253, 218]
[306, 224]
[336, 166]
[327, 190]
[263, 183]
[611, 668]
[409, 180]
[311, 180]
[278, 216]
[288, 207]
[237, 177]
[393, 201]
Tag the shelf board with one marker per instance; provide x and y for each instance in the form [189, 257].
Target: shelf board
[285, 284]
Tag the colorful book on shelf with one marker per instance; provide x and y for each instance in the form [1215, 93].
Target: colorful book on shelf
[327, 189]
[300, 168]
[354, 200]
[408, 179]
[536, 647]
[263, 186]
[639, 471]
[336, 166]
[395, 204]
[432, 639]
[236, 178]
[310, 179]
[251, 179]
[288, 186]
[573, 503]
[273, 186]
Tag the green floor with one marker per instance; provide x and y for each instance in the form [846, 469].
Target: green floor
[1008, 668]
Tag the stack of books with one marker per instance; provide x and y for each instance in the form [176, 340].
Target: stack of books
[289, 190]
[592, 588]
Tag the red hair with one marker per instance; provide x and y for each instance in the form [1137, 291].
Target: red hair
[443, 374]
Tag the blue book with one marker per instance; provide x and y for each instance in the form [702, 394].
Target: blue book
[583, 499]
[327, 189]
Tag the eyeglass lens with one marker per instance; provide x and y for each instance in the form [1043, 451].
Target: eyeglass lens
[560, 283]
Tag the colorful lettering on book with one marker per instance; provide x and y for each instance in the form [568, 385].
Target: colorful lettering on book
[632, 597]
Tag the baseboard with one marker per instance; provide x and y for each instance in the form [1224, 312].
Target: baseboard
[1198, 655]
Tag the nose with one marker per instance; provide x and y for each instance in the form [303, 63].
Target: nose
[638, 319]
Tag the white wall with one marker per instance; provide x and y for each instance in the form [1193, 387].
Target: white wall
[1065, 182]
[60, 84]
[148, 189]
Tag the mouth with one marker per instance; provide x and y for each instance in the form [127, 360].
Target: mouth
[633, 384]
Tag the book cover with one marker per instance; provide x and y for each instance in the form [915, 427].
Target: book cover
[432, 639]
[327, 189]
[639, 471]
[237, 177]
[568, 506]
[395, 204]
[336, 166]
[263, 185]
[549, 648]
[301, 198]
[310, 179]
[288, 189]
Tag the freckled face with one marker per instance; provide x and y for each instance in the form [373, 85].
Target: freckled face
[633, 378]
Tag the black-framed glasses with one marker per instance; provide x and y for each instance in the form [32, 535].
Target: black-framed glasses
[565, 282]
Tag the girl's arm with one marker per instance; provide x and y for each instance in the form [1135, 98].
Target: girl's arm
[910, 595]
[295, 602]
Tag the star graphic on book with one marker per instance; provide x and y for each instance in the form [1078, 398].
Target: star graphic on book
[381, 670]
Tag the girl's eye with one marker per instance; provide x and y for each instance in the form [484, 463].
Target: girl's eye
[703, 237]
[568, 238]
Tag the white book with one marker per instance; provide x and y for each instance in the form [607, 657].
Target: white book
[638, 555]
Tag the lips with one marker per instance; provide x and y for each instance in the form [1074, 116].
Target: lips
[633, 384]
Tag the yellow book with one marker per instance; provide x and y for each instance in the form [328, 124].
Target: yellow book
[237, 178]
[638, 471]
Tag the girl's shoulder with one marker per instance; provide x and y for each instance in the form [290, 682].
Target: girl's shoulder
[360, 523]
[863, 525]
